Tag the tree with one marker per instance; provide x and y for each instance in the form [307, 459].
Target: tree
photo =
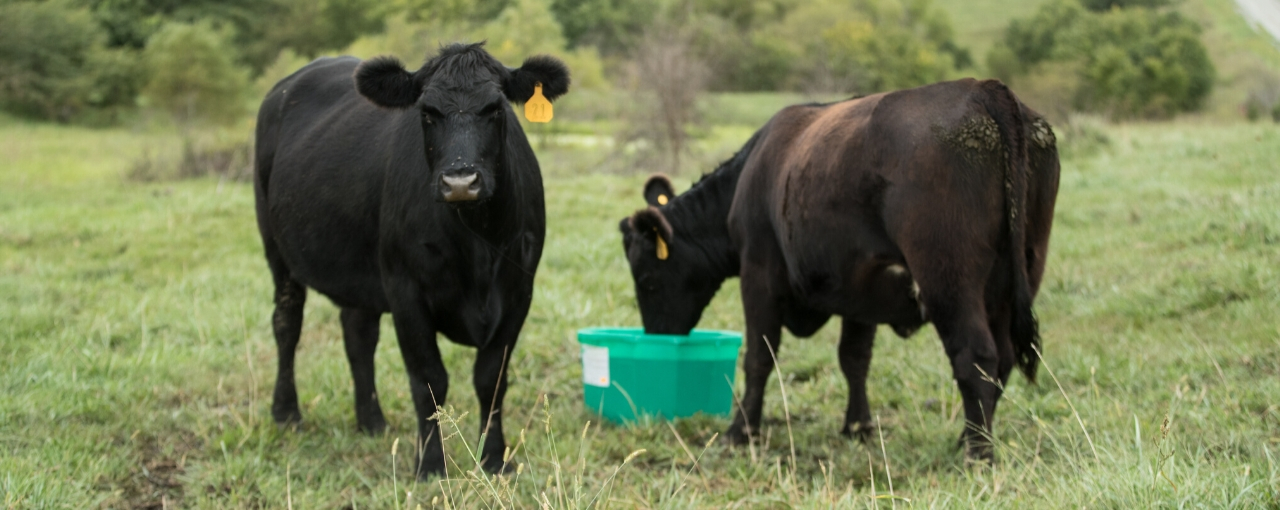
[613, 26]
[1106, 5]
[868, 45]
[53, 64]
[194, 76]
[666, 79]
[1131, 61]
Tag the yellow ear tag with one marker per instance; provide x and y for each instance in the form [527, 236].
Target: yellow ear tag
[662, 249]
[662, 200]
[537, 108]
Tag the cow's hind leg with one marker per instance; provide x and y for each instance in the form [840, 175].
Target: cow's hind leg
[360, 336]
[286, 322]
[856, 339]
[975, 366]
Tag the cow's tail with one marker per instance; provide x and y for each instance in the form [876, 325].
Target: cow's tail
[1023, 328]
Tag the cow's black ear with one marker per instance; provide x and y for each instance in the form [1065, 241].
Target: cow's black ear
[658, 190]
[652, 219]
[385, 82]
[549, 71]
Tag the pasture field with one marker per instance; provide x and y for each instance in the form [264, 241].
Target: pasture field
[138, 360]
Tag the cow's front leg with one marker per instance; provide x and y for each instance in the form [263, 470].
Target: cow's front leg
[428, 379]
[490, 379]
[856, 339]
[764, 334]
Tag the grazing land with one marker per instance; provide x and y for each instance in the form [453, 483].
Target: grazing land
[138, 358]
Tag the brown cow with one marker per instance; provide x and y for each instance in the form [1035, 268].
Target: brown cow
[926, 205]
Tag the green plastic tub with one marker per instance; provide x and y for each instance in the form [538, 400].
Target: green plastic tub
[627, 374]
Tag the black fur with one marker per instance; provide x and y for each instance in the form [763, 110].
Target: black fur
[1024, 329]
[354, 201]
[385, 81]
[549, 71]
[880, 210]
[652, 220]
[658, 185]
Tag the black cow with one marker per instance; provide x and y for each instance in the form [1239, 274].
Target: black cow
[930, 204]
[410, 193]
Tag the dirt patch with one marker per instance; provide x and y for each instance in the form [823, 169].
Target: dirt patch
[155, 478]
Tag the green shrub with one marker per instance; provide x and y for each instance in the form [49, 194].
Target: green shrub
[613, 26]
[194, 76]
[1144, 63]
[1132, 62]
[1106, 5]
[862, 47]
[46, 61]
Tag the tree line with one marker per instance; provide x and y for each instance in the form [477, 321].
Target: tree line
[205, 60]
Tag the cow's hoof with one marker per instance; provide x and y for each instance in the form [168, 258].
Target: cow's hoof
[499, 467]
[373, 426]
[977, 450]
[736, 436]
[979, 453]
[287, 417]
[860, 430]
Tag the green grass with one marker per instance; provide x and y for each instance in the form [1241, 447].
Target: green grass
[139, 360]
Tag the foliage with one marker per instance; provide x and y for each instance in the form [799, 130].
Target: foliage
[1106, 5]
[891, 49]
[666, 79]
[862, 46]
[194, 76]
[1132, 62]
[310, 27]
[524, 28]
[247, 23]
[612, 26]
[53, 65]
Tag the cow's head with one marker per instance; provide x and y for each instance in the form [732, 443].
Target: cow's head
[674, 277]
[462, 95]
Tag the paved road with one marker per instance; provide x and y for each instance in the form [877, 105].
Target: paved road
[1262, 13]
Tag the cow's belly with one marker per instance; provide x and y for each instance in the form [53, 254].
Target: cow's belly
[845, 265]
[872, 289]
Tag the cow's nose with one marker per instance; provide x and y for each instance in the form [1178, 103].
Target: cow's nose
[460, 187]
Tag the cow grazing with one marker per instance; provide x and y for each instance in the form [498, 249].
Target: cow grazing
[925, 205]
[414, 193]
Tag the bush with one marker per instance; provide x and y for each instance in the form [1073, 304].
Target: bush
[1106, 5]
[1132, 62]
[209, 154]
[862, 47]
[47, 56]
[612, 26]
[666, 78]
[194, 76]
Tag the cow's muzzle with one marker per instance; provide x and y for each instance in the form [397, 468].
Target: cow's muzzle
[461, 187]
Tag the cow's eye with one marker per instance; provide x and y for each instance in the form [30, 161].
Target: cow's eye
[491, 110]
[430, 112]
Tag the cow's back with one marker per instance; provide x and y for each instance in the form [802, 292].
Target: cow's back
[321, 156]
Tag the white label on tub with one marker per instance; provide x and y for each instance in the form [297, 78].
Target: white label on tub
[595, 365]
